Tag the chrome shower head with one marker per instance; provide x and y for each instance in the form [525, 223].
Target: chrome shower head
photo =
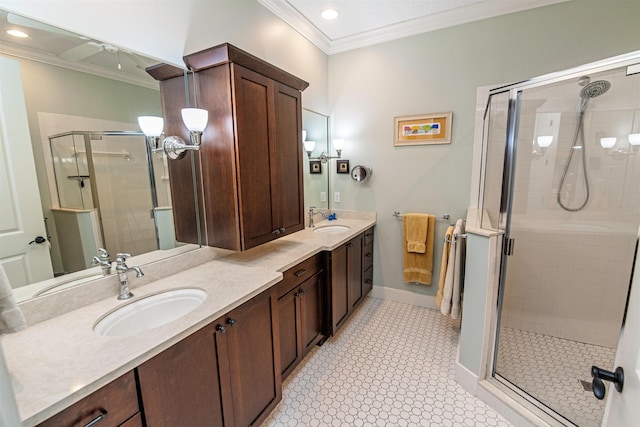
[595, 89]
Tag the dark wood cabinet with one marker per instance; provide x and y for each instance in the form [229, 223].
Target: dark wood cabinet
[300, 311]
[248, 334]
[250, 160]
[351, 278]
[226, 374]
[113, 405]
[181, 385]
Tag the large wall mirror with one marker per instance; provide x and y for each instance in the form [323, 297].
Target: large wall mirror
[98, 183]
[316, 128]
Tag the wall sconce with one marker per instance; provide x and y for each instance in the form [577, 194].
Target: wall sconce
[540, 145]
[338, 144]
[608, 142]
[195, 119]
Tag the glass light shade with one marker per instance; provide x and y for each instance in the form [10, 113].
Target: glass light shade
[608, 142]
[18, 33]
[195, 119]
[309, 145]
[151, 125]
[634, 138]
[338, 144]
[545, 141]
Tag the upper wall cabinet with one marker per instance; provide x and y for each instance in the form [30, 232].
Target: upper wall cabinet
[249, 167]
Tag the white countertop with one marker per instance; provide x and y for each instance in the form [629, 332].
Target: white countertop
[56, 362]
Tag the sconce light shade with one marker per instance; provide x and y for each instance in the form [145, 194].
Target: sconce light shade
[309, 146]
[304, 135]
[338, 144]
[545, 141]
[151, 125]
[195, 119]
[608, 142]
[634, 139]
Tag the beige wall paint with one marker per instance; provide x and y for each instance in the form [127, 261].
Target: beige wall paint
[440, 71]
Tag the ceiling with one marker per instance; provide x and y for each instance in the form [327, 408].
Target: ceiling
[360, 23]
[368, 22]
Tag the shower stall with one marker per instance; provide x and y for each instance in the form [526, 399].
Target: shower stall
[113, 192]
[561, 181]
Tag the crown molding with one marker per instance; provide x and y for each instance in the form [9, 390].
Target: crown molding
[475, 12]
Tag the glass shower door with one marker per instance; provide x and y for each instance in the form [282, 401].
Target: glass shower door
[574, 214]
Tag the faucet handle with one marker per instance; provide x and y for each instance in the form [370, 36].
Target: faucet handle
[103, 254]
[121, 257]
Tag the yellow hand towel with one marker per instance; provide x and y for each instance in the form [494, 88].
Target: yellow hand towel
[418, 267]
[416, 232]
[448, 238]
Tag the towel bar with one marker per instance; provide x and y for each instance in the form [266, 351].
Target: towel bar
[455, 237]
[397, 214]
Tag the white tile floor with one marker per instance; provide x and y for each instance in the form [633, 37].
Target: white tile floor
[550, 369]
[391, 364]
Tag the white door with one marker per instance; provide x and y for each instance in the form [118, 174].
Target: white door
[623, 409]
[21, 219]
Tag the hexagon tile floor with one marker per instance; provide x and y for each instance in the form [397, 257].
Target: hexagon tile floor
[550, 369]
[391, 364]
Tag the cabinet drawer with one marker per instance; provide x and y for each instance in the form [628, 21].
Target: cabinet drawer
[299, 273]
[368, 237]
[115, 403]
[367, 280]
[367, 256]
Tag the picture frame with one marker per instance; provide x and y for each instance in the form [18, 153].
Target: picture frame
[342, 166]
[315, 166]
[423, 129]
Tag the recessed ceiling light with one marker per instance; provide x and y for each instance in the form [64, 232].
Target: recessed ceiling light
[330, 14]
[17, 33]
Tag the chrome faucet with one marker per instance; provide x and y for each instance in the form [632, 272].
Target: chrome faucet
[102, 259]
[122, 269]
[311, 213]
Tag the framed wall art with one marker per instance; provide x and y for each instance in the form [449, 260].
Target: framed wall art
[315, 166]
[423, 129]
[342, 166]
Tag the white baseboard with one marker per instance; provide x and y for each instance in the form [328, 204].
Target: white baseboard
[405, 297]
[466, 379]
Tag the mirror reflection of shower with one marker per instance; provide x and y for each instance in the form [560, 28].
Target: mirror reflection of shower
[578, 148]
[112, 192]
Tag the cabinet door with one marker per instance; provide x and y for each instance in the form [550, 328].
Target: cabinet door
[354, 256]
[254, 359]
[339, 288]
[310, 296]
[289, 321]
[181, 386]
[287, 173]
[253, 100]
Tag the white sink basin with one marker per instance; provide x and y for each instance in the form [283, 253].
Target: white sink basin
[150, 312]
[332, 229]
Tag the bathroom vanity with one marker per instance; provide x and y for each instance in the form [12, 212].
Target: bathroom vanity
[221, 364]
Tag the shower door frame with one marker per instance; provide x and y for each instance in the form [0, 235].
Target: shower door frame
[508, 180]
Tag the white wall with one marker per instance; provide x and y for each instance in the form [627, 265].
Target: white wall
[437, 72]
[170, 29]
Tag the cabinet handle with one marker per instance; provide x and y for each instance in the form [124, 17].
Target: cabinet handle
[349, 245]
[300, 272]
[276, 232]
[231, 321]
[96, 420]
[368, 234]
[221, 329]
[302, 291]
[282, 229]
[368, 254]
[296, 295]
[368, 281]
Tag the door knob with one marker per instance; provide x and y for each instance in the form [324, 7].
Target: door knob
[616, 377]
[38, 240]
